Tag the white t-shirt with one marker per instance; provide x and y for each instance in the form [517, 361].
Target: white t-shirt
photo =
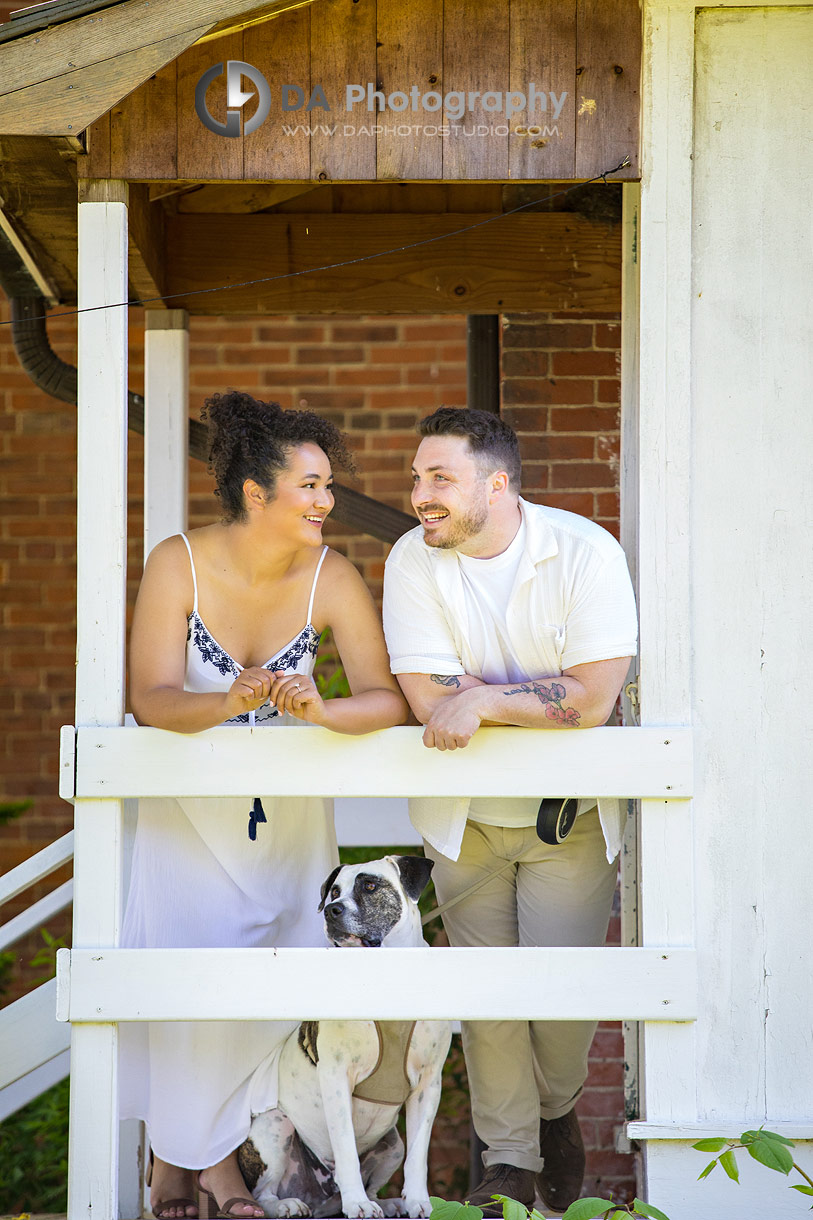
[569, 601]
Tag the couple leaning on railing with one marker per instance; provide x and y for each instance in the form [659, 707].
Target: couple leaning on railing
[496, 611]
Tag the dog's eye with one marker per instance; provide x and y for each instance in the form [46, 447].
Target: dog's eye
[370, 885]
[334, 893]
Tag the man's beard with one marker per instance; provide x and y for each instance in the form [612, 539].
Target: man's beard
[466, 527]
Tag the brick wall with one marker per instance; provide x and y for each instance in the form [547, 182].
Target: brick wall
[374, 377]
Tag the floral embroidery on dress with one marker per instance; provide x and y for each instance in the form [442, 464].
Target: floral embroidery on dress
[306, 642]
[214, 654]
[209, 648]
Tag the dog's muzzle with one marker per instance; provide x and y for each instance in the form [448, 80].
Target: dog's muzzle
[336, 925]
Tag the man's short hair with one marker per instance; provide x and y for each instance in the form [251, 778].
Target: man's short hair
[491, 440]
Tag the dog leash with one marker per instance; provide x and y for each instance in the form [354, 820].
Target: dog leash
[472, 889]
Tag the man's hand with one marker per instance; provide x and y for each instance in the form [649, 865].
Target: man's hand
[454, 721]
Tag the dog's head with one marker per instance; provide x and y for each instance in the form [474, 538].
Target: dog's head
[376, 903]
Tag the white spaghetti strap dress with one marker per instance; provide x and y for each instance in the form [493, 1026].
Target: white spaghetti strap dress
[209, 873]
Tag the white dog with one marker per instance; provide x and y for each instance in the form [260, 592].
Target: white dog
[342, 1083]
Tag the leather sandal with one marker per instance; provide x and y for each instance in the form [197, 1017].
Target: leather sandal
[210, 1210]
[161, 1209]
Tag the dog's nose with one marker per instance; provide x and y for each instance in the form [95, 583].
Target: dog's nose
[334, 909]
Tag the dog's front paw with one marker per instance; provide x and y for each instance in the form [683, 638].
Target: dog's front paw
[394, 1207]
[419, 1206]
[355, 1209]
[292, 1207]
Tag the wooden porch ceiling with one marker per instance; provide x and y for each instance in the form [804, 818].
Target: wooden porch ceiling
[185, 237]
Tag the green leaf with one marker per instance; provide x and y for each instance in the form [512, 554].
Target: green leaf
[712, 1145]
[647, 1209]
[587, 1209]
[620, 1214]
[536, 1215]
[771, 1153]
[729, 1164]
[781, 1139]
[512, 1209]
[803, 1190]
[450, 1209]
[711, 1165]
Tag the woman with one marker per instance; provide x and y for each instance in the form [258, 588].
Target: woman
[225, 630]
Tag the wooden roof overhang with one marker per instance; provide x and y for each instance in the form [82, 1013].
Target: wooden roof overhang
[107, 90]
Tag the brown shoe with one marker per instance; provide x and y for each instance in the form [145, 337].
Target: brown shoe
[561, 1147]
[503, 1180]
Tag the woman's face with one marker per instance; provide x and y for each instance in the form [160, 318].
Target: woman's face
[302, 497]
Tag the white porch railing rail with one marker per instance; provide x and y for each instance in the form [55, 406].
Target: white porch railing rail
[102, 984]
[37, 1049]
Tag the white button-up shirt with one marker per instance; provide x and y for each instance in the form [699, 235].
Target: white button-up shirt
[571, 603]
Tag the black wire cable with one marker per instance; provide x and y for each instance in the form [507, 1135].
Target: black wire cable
[348, 262]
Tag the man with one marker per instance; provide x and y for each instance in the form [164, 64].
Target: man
[498, 611]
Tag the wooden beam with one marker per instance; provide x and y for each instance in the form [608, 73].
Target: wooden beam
[58, 80]
[412, 263]
[147, 271]
[253, 197]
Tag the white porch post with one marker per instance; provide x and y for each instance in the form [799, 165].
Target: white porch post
[166, 429]
[101, 602]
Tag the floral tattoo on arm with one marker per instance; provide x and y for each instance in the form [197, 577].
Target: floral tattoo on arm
[445, 679]
[552, 697]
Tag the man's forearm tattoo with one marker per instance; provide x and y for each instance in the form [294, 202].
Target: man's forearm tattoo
[445, 679]
[552, 697]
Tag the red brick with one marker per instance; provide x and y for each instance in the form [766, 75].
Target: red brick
[584, 364]
[363, 332]
[555, 448]
[607, 335]
[573, 502]
[531, 362]
[368, 376]
[582, 474]
[329, 354]
[547, 390]
[608, 391]
[451, 328]
[398, 353]
[584, 419]
[546, 335]
[526, 419]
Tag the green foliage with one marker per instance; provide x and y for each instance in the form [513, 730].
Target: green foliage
[447, 1209]
[766, 1147]
[9, 810]
[34, 1156]
[34, 1141]
[328, 672]
[45, 957]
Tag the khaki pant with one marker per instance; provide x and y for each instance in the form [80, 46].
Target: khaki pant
[520, 1071]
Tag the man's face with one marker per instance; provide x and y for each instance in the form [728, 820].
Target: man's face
[449, 494]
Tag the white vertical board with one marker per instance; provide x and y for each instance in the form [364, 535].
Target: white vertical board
[166, 424]
[667, 1090]
[101, 605]
[752, 322]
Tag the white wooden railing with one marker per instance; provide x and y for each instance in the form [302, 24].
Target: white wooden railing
[102, 984]
[36, 1050]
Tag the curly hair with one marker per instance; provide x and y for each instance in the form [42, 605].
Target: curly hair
[251, 439]
[492, 441]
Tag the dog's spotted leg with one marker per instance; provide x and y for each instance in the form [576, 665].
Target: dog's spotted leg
[380, 1163]
[264, 1175]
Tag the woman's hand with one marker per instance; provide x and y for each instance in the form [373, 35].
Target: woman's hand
[297, 694]
[248, 692]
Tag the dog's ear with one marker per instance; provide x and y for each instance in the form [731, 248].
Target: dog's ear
[414, 872]
[326, 886]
